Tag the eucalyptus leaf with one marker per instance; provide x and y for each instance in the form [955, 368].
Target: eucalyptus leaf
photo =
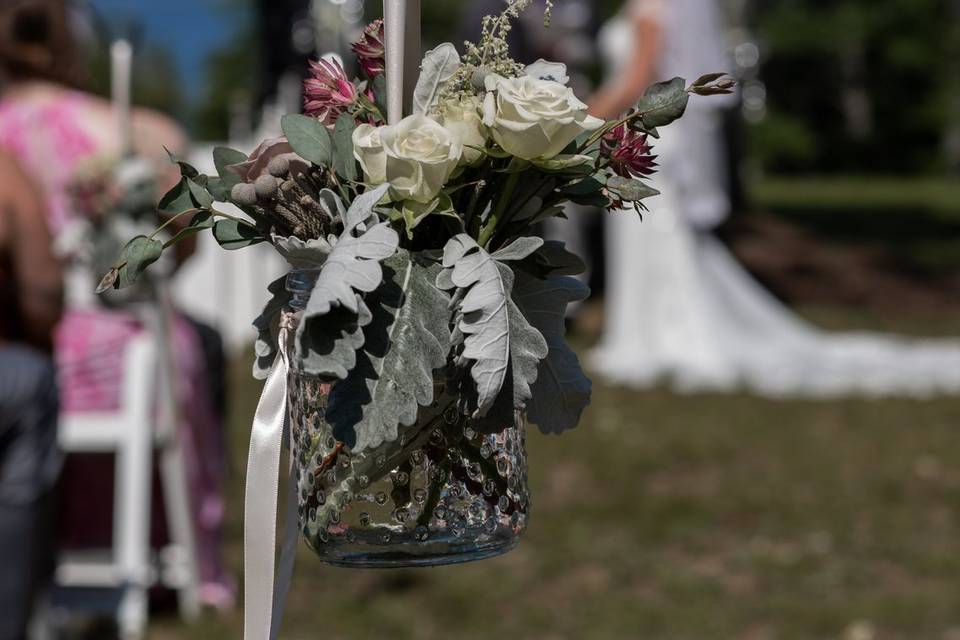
[343, 160]
[224, 157]
[200, 196]
[200, 222]
[663, 103]
[233, 235]
[493, 335]
[379, 84]
[563, 163]
[586, 186]
[437, 68]
[561, 391]
[178, 199]
[553, 259]
[137, 255]
[267, 325]
[186, 170]
[413, 213]
[630, 190]
[309, 138]
[407, 340]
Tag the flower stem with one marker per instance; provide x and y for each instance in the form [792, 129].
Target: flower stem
[486, 234]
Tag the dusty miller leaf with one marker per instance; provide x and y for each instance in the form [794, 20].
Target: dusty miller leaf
[329, 332]
[496, 337]
[303, 254]
[438, 66]
[561, 391]
[267, 325]
[327, 345]
[354, 264]
[407, 340]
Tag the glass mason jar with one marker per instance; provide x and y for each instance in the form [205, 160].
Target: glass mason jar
[442, 494]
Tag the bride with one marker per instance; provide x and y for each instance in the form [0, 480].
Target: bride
[679, 306]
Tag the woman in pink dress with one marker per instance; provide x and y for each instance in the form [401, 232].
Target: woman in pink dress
[54, 131]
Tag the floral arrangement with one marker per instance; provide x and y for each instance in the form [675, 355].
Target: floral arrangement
[423, 232]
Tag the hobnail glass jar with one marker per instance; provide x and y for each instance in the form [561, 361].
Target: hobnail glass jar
[442, 494]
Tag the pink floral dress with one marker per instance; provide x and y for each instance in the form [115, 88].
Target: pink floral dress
[49, 138]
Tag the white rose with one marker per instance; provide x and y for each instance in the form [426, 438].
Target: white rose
[416, 156]
[532, 118]
[368, 150]
[462, 118]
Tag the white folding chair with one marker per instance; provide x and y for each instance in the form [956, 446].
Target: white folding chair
[116, 581]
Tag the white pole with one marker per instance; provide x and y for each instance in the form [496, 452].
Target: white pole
[121, 64]
[402, 32]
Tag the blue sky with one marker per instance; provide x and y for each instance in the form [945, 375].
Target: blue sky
[189, 29]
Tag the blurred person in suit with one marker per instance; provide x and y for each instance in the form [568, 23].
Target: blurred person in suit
[57, 132]
[31, 303]
[679, 307]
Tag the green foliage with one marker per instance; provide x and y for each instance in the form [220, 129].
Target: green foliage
[561, 392]
[136, 256]
[663, 103]
[234, 234]
[330, 331]
[343, 160]
[630, 190]
[858, 85]
[498, 342]
[266, 347]
[407, 340]
[309, 138]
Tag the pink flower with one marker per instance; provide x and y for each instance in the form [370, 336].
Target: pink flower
[328, 92]
[259, 161]
[369, 49]
[628, 152]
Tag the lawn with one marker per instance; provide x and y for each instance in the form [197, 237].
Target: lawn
[666, 517]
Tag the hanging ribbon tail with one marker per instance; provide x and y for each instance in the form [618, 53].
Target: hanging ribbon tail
[263, 600]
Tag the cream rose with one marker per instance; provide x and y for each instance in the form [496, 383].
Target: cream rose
[534, 119]
[416, 156]
[368, 150]
[463, 119]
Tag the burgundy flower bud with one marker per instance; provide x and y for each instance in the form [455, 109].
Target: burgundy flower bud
[370, 50]
[328, 92]
[628, 152]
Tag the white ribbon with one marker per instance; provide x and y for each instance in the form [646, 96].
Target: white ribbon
[263, 601]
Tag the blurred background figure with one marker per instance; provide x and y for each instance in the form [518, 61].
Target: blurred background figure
[70, 142]
[679, 305]
[31, 293]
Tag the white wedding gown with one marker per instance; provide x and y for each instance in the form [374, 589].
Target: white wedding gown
[681, 309]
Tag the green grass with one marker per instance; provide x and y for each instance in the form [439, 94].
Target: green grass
[666, 517]
[916, 219]
[941, 196]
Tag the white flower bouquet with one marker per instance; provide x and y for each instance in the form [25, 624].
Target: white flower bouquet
[422, 236]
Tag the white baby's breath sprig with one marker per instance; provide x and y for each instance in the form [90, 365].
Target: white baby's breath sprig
[491, 54]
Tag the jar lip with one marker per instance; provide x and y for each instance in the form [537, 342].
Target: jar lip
[299, 284]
